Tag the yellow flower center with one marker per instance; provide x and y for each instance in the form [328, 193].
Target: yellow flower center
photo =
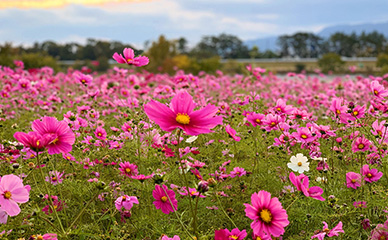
[382, 238]
[338, 111]
[233, 237]
[355, 113]
[124, 198]
[361, 146]
[369, 175]
[54, 179]
[127, 170]
[303, 136]
[360, 205]
[55, 141]
[266, 215]
[99, 134]
[193, 192]
[353, 180]
[182, 118]
[129, 60]
[326, 230]
[37, 143]
[164, 199]
[279, 109]
[7, 195]
[39, 237]
[273, 124]
[259, 238]
[83, 81]
[299, 164]
[376, 92]
[258, 121]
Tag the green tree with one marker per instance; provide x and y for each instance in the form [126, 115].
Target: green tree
[331, 62]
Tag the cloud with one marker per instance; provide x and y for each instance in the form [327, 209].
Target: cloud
[39, 4]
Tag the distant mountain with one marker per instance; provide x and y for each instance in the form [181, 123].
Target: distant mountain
[359, 28]
[270, 43]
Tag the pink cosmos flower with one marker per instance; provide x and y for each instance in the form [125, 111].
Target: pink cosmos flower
[371, 175]
[128, 169]
[282, 107]
[55, 177]
[359, 204]
[32, 140]
[3, 216]
[165, 237]
[232, 133]
[378, 89]
[361, 144]
[330, 233]
[225, 234]
[380, 232]
[130, 59]
[304, 135]
[271, 122]
[301, 183]
[61, 136]
[12, 192]
[353, 180]
[256, 119]
[47, 236]
[84, 79]
[267, 214]
[164, 199]
[125, 202]
[100, 133]
[237, 172]
[181, 115]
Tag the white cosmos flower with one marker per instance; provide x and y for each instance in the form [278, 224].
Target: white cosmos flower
[191, 139]
[299, 163]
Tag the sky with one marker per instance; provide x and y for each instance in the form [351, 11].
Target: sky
[136, 21]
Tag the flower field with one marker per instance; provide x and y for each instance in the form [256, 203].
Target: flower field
[130, 154]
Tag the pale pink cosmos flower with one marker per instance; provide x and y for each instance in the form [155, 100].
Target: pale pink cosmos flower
[181, 115]
[125, 202]
[12, 192]
[361, 144]
[329, 232]
[130, 59]
[165, 237]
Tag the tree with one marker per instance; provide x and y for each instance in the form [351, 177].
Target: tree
[160, 54]
[224, 45]
[331, 62]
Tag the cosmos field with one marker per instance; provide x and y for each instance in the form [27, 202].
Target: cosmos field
[130, 154]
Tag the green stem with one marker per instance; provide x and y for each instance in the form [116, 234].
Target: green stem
[223, 210]
[51, 205]
[176, 214]
[83, 209]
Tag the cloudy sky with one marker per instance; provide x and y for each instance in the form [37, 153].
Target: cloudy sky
[136, 21]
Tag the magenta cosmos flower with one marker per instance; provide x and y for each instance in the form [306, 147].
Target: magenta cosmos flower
[164, 199]
[267, 214]
[232, 133]
[371, 175]
[353, 180]
[128, 169]
[12, 192]
[130, 59]
[225, 234]
[181, 115]
[60, 135]
[32, 140]
[330, 233]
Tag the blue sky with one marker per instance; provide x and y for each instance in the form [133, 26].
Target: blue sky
[137, 22]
